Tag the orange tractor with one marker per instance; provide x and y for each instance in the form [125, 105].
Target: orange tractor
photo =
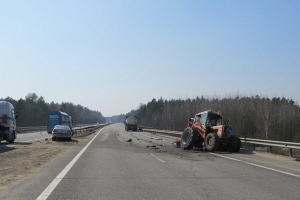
[208, 130]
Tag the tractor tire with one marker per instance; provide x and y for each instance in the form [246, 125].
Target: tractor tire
[187, 139]
[212, 142]
[234, 143]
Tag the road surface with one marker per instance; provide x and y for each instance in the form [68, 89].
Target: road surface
[115, 164]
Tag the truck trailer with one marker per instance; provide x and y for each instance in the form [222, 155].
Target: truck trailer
[58, 118]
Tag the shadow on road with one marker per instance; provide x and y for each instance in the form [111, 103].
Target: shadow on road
[65, 140]
[241, 151]
[4, 148]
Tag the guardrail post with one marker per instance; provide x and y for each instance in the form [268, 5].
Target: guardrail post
[291, 152]
[271, 150]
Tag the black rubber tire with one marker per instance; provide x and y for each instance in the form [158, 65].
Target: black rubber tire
[187, 138]
[53, 138]
[212, 142]
[222, 147]
[13, 139]
[234, 143]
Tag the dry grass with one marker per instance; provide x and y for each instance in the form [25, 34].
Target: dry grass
[20, 161]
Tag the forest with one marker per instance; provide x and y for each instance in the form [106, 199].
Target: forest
[252, 117]
[33, 111]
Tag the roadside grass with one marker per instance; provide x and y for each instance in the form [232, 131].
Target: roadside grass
[22, 160]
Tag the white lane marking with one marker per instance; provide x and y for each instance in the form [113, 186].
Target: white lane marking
[46, 193]
[268, 168]
[155, 138]
[157, 158]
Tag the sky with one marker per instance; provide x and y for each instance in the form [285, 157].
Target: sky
[111, 56]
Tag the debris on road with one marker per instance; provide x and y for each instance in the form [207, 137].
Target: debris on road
[176, 143]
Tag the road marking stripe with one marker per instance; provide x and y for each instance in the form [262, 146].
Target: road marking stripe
[46, 193]
[157, 158]
[268, 168]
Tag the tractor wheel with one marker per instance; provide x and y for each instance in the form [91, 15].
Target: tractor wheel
[222, 147]
[187, 139]
[234, 143]
[212, 142]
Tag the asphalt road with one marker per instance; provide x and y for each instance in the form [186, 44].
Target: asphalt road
[30, 137]
[26, 138]
[115, 164]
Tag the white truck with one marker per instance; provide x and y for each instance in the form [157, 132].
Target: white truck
[8, 124]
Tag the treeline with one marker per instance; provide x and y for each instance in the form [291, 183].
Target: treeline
[120, 118]
[116, 118]
[33, 111]
[253, 117]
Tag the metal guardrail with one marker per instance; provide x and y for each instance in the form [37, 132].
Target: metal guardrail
[254, 142]
[144, 127]
[21, 130]
[272, 143]
[30, 129]
[165, 132]
[81, 131]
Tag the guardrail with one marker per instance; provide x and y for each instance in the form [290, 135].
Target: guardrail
[254, 142]
[21, 130]
[165, 132]
[272, 143]
[30, 129]
[81, 131]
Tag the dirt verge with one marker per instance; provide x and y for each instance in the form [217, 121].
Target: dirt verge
[21, 160]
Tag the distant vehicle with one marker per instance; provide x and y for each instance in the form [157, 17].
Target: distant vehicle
[62, 131]
[8, 124]
[58, 118]
[130, 123]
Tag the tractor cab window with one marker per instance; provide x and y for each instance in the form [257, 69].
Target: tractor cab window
[198, 117]
[214, 120]
[203, 119]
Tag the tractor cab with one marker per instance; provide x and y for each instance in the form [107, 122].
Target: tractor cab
[209, 118]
